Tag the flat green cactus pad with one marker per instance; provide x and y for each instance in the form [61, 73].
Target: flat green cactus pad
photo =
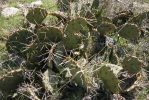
[19, 41]
[78, 25]
[37, 52]
[105, 28]
[36, 15]
[76, 33]
[49, 34]
[109, 79]
[132, 64]
[72, 41]
[129, 32]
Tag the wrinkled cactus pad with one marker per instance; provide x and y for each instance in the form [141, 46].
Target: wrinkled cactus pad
[19, 41]
[36, 15]
[132, 64]
[129, 32]
[49, 34]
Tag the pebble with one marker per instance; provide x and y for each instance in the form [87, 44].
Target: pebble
[9, 11]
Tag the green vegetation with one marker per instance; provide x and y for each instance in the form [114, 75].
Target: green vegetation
[70, 56]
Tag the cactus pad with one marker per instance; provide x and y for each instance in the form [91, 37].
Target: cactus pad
[132, 64]
[139, 18]
[19, 41]
[37, 52]
[76, 32]
[49, 34]
[72, 41]
[105, 28]
[129, 32]
[10, 81]
[36, 15]
[77, 73]
[78, 25]
[108, 77]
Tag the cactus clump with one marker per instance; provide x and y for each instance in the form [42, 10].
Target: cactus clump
[36, 15]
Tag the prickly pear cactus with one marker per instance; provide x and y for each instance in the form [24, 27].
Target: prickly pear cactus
[132, 64]
[19, 41]
[129, 32]
[49, 34]
[105, 28]
[36, 15]
[108, 77]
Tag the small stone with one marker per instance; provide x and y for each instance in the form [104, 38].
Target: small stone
[37, 3]
[9, 11]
